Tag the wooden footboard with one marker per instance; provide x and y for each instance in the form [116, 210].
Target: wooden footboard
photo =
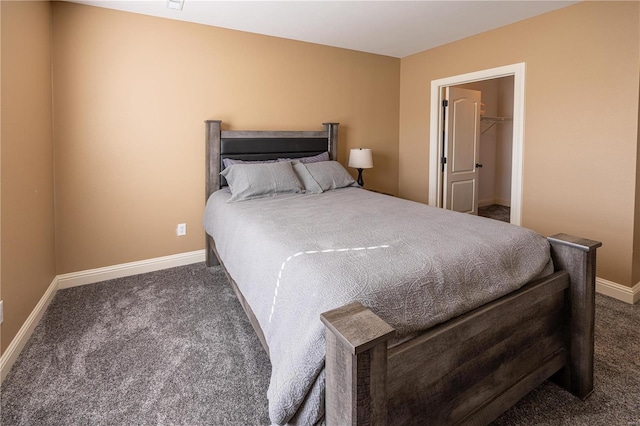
[472, 368]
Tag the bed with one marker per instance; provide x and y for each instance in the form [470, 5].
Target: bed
[362, 356]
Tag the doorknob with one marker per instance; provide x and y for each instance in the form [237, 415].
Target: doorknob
[478, 165]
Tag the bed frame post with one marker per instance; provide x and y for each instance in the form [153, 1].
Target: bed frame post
[212, 156]
[356, 366]
[212, 147]
[332, 130]
[577, 256]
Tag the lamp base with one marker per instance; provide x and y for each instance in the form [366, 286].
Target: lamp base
[360, 180]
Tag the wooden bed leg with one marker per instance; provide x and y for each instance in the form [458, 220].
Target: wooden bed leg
[577, 256]
[356, 366]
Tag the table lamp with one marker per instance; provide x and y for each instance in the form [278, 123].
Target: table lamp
[360, 158]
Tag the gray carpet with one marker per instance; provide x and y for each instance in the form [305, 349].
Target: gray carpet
[496, 211]
[161, 348]
[174, 348]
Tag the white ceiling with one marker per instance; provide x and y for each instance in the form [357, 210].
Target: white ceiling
[391, 28]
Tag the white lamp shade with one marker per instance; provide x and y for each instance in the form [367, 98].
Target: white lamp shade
[360, 158]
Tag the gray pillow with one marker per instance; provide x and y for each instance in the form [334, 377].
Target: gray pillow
[324, 156]
[310, 184]
[330, 175]
[230, 161]
[248, 181]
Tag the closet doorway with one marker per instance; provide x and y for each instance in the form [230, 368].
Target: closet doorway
[495, 146]
[498, 185]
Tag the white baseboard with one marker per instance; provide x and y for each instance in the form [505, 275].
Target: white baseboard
[17, 344]
[487, 202]
[617, 291]
[491, 201]
[503, 202]
[91, 276]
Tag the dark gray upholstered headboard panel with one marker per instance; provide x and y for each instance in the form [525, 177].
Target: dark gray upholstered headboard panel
[253, 149]
[262, 145]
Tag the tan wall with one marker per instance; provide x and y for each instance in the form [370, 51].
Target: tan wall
[636, 235]
[581, 120]
[28, 256]
[1, 349]
[131, 94]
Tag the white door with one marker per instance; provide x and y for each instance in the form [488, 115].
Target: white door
[460, 150]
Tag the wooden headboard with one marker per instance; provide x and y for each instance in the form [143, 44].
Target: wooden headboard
[262, 145]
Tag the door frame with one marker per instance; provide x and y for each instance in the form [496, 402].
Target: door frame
[435, 133]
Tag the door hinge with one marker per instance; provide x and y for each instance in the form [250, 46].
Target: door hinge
[443, 160]
[445, 103]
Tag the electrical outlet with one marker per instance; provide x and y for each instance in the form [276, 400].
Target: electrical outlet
[181, 229]
[1, 312]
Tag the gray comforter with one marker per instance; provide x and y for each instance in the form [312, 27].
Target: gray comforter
[296, 256]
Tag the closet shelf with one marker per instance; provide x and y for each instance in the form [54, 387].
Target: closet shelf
[488, 122]
[498, 119]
